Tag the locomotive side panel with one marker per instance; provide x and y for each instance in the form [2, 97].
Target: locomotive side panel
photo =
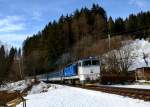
[70, 70]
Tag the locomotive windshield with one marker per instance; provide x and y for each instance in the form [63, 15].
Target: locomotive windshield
[86, 63]
[90, 62]
[95, 62]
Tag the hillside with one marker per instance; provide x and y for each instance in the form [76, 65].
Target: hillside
[141, 50]
[81, 34]
[132, 53]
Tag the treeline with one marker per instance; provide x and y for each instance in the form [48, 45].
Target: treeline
[7, 58]
[75, 36]
[137, 25]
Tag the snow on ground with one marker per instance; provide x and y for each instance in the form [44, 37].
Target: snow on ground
[43, 87]
[143, 81]
[139, 47]
[133, 86]
[64, 96]
[20, 86]
[39, 88]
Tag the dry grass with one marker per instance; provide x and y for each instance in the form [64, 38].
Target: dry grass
[88, 47]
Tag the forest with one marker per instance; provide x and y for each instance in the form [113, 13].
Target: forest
[9, 68]
[78, 35]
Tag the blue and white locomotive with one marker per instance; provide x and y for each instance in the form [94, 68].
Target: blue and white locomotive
[85, 70]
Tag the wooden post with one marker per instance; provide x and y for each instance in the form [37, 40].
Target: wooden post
[135, 76]
[109, 42]
[143, 73]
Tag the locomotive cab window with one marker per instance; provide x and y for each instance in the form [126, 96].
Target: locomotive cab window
[95, 62]
[86, 63]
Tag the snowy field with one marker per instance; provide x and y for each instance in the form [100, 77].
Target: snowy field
[51, 95]
[64, 96]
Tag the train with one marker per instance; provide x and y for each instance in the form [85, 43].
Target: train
[82, 71]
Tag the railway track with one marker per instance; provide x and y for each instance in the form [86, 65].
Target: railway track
[142, 94]
[136, 93]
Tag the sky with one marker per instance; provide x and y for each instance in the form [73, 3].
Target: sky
[20, 19]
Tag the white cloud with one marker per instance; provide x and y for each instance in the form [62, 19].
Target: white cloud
[13, 39]
[11, 24]
[143, 4]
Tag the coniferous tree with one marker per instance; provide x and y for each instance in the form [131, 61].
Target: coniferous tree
[3, 71]
[131, 23]
[111, 25]
[119, 25]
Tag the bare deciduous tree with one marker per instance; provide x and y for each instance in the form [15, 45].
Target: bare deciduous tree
[120, 60]
[126, 58]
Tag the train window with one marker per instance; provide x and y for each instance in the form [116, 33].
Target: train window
[95, 62]
[86, 63]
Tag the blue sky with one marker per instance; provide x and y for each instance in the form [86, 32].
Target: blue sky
[22, 18]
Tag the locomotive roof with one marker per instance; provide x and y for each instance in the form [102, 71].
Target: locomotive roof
[89, 58]
[83, 59]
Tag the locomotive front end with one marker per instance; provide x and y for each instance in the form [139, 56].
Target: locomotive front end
[89, 70]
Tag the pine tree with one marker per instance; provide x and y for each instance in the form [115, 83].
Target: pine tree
[3, 72]
[131, 23]
[119, 25]
[111, 25]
